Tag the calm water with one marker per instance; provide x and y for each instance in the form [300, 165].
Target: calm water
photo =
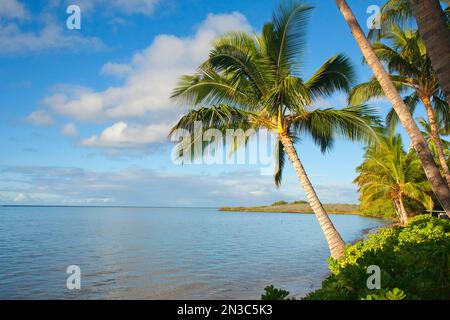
[154, 253]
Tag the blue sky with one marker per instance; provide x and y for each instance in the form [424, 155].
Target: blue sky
[84, 113]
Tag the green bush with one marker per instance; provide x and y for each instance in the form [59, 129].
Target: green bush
[394, 294]
[414, 263]
[300, 202]
[272, 293]
[279, 203]
[378, 208]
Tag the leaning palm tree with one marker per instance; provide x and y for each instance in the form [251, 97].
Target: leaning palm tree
[400, 12]
[438, 184]
[389, 173]
[410, 68]
[427, 133]
[434, 28]
[254, 82]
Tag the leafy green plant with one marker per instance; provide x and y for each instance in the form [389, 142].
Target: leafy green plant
[390, 173]
[394, 294]
[272, 293]
[414, 259]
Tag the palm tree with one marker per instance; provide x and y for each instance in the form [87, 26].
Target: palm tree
[427, 133]
[433, 26]
[400, 12]
[411, 70]
[440, 188]
[388, 172]
[253, 81]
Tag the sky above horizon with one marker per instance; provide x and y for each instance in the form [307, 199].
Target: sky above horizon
[85, 113]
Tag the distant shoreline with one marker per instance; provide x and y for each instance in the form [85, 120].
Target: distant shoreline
[298, 208]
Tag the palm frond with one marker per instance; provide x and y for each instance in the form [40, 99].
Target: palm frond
[280, 158]
[356, 123]
[286, 39]
[337, 73]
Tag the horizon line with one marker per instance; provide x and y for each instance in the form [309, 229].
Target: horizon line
[96, 206]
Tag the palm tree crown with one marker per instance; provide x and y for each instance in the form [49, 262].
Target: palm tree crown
[253, 81]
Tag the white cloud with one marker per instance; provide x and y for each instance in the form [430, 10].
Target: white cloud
[149, 78]
[145, 7]
[20, 197]
[40, 118]
[140, 186]
[51, 36]
[123, 135]
[129, 7]
[12, 9]
[69, 130]
[116, 69]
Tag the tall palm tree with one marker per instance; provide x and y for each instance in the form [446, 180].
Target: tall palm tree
[440, 188]
[252, 81]
[388, 172]
[400, 12]
[443, 131]
[433, 25]
[409, 65]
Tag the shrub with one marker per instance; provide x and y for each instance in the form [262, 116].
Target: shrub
[272, 293]
[300, 202]
[378, 208]
[279, 203]
[414, 262]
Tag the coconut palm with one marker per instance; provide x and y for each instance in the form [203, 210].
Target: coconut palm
[433, 25]
[400, 12]
[438, 184]
[388, 172]
[254, 82]
[410, 68]
[427, 133]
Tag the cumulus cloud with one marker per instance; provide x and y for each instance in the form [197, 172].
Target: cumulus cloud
[40, 118]
[69, 130]
[51, 36]
[46, 31]
[149, 77]
[119, 70]
[128, 7]
[12, 9]
[123, 135]
[20, 197]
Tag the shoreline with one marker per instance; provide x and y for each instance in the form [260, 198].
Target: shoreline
[341, 209]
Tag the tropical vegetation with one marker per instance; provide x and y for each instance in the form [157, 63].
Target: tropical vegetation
[414, 263]
[390, 174]
[255, 82]
[406, 58]
[438, 184]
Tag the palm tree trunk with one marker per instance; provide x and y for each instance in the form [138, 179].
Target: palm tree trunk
[436, 35]
[403, 212]
[438, 184]
[398, 211]
[436, 138]
[335, 242]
